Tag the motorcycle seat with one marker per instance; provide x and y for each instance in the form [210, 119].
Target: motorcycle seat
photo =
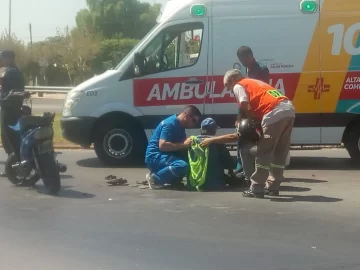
[29, 121]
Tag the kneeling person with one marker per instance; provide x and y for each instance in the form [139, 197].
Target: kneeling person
[164, 154]
[215, 162]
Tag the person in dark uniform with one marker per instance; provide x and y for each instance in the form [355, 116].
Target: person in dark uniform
[11, 78]
[259, 72]
[254, 70]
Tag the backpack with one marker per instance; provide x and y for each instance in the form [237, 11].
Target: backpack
[198, 161]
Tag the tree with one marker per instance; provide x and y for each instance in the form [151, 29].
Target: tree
[77, 51]
[85, 22]
[129, 18]
[111, 52]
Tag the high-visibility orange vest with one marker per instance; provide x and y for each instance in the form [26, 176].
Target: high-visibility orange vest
[263, 98]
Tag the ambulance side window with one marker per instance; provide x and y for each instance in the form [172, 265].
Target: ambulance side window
[175, 47]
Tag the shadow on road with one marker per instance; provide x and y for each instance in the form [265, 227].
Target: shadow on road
[294, 189]
[322, 163]
[303, 180]
[96, 163]
[310, 198]
[67, 192]
[66, 176]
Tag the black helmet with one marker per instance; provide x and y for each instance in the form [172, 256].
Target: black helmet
[248, 130]
[7, 54]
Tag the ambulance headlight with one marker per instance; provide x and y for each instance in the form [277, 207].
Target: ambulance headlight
[71, 100]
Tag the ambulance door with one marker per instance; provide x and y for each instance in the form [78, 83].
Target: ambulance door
[175, 70]
[340, 66]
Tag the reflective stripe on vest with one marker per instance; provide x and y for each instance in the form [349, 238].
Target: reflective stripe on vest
[263, 98]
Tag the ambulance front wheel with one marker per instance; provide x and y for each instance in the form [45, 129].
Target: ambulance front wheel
[119, 144]
[352, 143]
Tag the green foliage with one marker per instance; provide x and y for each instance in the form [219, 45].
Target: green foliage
[111, 52]
[109, 18]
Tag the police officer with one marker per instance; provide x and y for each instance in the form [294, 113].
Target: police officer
[11, 78]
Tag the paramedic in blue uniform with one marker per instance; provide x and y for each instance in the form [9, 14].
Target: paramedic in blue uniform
[164, 154]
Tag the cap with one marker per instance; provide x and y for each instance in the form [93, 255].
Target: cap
[231, 74]
[208, 123]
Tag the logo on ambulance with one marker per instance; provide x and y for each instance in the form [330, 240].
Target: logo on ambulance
[318, 88]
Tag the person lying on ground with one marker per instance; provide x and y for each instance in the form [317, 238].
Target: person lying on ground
[164, 157]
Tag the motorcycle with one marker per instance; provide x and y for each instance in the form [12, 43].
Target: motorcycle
[35, 159]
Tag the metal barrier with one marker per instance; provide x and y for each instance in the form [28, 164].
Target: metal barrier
[48, 89]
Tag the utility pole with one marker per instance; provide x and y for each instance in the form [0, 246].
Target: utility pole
[9, 19]
[30, 29]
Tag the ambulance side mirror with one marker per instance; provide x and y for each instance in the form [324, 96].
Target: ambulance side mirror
[138, 64]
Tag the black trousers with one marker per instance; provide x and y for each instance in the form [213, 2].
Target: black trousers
[10, 138]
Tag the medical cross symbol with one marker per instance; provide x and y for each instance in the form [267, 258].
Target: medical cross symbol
[318, 88]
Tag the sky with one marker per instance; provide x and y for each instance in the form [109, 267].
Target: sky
[45, 16]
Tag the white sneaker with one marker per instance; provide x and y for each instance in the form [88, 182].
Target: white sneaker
[151, 182]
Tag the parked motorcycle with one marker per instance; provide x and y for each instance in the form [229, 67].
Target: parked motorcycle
[36, 158]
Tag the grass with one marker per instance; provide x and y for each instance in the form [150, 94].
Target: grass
[58, 138]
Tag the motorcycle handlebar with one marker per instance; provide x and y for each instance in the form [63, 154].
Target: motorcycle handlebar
[12, 93]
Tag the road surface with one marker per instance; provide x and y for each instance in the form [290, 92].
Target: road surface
[314, 224]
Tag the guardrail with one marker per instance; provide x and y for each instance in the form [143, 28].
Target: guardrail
[48, 89]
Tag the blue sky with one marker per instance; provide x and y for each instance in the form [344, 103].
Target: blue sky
[44, 15]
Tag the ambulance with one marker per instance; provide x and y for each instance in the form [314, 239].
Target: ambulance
[311, 47]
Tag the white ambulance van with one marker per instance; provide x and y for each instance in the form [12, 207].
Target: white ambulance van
[311, 47]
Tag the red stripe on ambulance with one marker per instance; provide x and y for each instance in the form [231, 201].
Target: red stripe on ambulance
[175, 91]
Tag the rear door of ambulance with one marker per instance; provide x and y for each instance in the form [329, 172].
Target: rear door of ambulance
[281, 36]
[340, 66]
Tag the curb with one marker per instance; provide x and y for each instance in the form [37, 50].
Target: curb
[67, 147]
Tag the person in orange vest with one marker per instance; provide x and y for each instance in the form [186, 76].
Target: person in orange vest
[254, 70]
[276, 112]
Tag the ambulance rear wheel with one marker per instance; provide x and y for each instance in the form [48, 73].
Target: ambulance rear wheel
[352, 143]
[118, 144]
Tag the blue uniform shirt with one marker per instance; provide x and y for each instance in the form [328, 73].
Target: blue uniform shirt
[168, 130]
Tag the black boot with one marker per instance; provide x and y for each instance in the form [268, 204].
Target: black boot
[251, 194]
[272, 193]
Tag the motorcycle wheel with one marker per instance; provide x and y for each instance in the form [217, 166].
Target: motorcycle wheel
[49, 171]
[14, 178]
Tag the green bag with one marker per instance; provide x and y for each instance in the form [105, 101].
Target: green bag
[198, 161]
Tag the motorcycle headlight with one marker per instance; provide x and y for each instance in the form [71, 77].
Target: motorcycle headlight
[71, 100]
[43, 133]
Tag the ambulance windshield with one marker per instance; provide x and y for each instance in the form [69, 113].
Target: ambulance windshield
[130, 54]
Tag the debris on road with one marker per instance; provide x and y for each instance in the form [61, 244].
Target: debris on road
[114, 181]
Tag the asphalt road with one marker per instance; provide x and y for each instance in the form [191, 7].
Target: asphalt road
[314, 224]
